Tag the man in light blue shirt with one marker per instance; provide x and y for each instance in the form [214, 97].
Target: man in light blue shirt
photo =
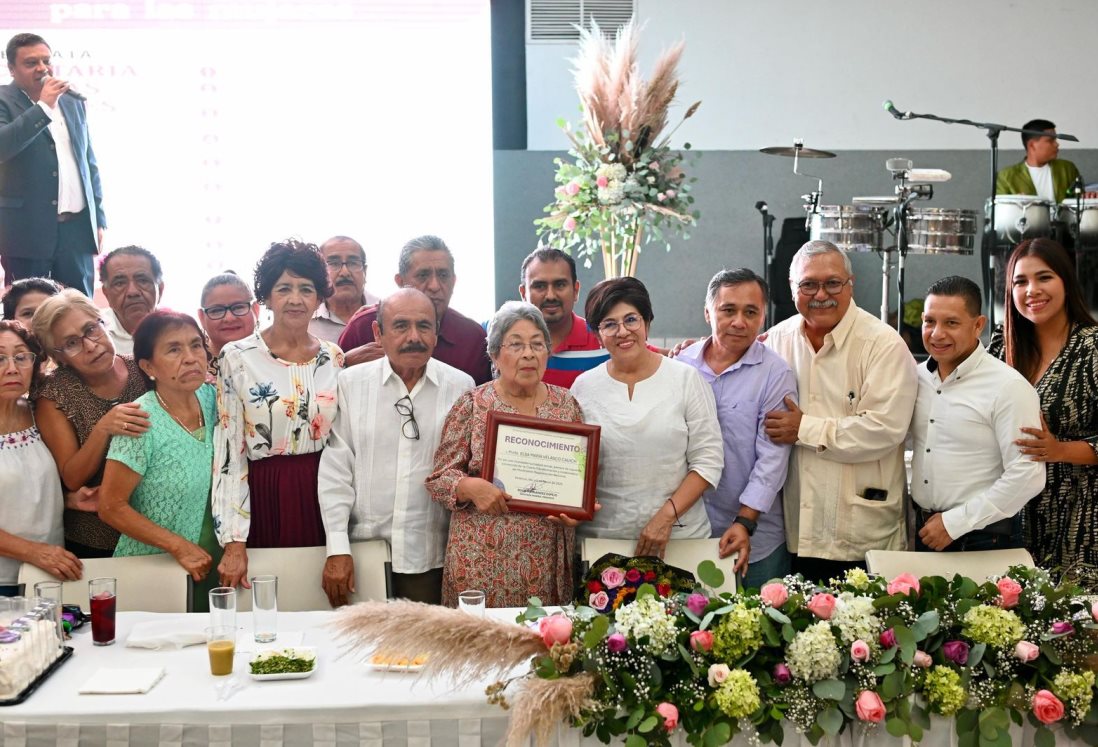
[748, 380]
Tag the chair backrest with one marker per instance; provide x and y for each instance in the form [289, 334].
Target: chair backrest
[299, 570]
[146, 583]
[683, 553]
[977, 564]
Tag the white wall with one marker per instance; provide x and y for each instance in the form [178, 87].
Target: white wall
[771, 71]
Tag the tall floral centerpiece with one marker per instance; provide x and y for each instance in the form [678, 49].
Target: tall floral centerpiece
[622, 186]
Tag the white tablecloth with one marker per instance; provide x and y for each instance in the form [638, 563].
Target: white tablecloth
[343, 703]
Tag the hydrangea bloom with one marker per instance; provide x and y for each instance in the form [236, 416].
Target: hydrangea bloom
[1075, 687]
[738, 695]
[738, 633]
[854, 618]
[943, 690]
[994, 626]
[813, 655]
[647, 617]
[857, 578]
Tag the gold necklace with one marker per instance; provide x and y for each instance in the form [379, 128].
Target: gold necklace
[201, 420]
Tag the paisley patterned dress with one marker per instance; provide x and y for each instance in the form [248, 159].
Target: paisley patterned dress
[510, 557]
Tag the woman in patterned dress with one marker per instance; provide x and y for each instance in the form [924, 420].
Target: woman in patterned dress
[1050, 337]
[156, 487]
[276, 397]
[30, 490]
[80, 406]
[510, 556]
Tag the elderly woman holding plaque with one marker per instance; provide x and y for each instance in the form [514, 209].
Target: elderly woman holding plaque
[511, 556]
[661, 440]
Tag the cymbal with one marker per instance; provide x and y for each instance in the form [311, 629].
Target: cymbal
[785, 150]
[882, 200]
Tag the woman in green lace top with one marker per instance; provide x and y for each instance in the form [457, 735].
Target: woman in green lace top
[156, 487]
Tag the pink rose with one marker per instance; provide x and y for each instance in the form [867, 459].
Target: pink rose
[599, 601]
[696, 603]
[613, 577]
[572, 188]
[654, 166]
[922, 659]
[602, 181]
[555, 629]
[905, 583]
[956, 652]
[1062, 628]
[888, 638]
[782, 674]
[1026, 651]
[670, 194]
[569, 224]
[1009, 591]
[661, 196]
[1047, 707]
[822, 605]
[701, 640]
[670, 715]
[859, 650]
[869, 707]
[774, 594]
[616, 643]
[718, 673]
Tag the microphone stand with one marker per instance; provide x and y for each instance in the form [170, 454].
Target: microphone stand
[987, 245]
[768, 254]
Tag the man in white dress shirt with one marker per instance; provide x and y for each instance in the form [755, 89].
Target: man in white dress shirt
[381, 449]
[969, 479]
[133, 282]
[856, 379]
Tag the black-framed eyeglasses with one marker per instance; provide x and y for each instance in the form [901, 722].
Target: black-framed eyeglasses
[21, 360]
[74, 345]
[811, 287]
[404, 409]
[352, 263]
[218, 312]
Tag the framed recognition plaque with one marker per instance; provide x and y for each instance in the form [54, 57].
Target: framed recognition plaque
[547, 466]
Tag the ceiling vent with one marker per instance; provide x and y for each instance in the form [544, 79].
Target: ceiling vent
[556, 20]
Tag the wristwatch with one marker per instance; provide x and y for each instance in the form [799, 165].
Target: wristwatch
[747, 524]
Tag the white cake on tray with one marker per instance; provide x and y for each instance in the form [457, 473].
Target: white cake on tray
[23, 660]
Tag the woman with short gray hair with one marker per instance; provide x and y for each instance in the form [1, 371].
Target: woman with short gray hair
[510, 556]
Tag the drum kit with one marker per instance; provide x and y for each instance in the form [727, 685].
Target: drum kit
[895, 223]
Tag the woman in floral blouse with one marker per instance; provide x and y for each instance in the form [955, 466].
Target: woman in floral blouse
[510, 556]
[276, 397]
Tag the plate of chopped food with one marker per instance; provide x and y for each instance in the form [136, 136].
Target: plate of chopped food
[295, 663]
[383, 662]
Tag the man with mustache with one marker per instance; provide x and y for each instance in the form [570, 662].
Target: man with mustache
[133, 282]
[381, 449]
[346, 262]
[857, 386]
[549, 282]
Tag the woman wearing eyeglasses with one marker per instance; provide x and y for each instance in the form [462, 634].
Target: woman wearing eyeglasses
[276, 398]
[510, 556]
[229, 311]
[30, 491]
[660, 447]
[80, 406]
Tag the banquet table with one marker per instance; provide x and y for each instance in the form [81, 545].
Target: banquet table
[343, 703]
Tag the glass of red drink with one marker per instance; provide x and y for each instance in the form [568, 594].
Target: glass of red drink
[102, 596]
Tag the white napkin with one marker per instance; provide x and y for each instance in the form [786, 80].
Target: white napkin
[167, 634]
[107, 681]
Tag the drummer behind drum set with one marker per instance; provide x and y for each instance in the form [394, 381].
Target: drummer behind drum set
[1041, 173]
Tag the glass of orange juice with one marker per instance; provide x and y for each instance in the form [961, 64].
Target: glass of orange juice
[221, 645]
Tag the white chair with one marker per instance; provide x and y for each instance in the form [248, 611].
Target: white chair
[146, 583]
[977, 565]
[299, 570]
[684, 553]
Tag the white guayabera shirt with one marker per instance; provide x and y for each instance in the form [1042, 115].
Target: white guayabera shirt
[372, 471]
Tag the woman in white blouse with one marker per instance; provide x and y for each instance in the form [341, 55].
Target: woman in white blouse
[661, 443]
[30, 488]
[276, 397]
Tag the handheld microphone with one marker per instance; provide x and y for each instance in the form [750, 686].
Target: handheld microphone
[71, 91]
[762, 207]
[891, 109]
[1078, 187]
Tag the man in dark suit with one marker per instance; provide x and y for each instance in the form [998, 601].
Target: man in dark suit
[51, 212]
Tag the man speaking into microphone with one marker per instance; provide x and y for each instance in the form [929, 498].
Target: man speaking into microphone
[51, 211]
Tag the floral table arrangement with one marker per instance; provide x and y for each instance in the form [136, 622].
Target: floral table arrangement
[861, 652]
[623, 184]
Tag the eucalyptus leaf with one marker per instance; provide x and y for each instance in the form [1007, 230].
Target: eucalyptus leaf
[648, 725]
[830, 720]
[718, 734]
[829, 689]
[776, 615]
[635, 740]
[710, 574]
[1043, 737]
[896, 727]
